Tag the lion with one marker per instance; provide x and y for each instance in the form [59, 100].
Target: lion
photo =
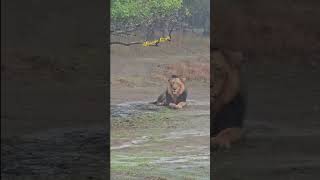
[227, 98]
[175, 95]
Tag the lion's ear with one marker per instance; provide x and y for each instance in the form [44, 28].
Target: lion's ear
[183, 79]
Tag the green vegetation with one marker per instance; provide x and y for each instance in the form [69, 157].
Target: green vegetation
[145, 17]
[139, 10]
[161, 118]
[200, 10]
[154, 19]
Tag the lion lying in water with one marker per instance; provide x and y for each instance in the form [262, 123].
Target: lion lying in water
[175, 95]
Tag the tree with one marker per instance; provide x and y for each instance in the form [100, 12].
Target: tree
[200, 10]
[129, 17]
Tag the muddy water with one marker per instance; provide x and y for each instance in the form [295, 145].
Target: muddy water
[149, 141]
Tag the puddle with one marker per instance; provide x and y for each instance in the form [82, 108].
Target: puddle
[133, 143]
[131, 109]
[136, 108]
[185, 133]
[192, 160]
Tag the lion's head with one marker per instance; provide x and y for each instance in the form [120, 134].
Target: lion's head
[176, 85]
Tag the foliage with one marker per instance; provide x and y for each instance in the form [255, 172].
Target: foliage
[200, 10]
[146, 16]
[142, 9]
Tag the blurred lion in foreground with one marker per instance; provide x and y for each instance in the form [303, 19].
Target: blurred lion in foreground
[227, 98]
[175, 95]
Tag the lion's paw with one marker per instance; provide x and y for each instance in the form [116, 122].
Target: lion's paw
[220, 143]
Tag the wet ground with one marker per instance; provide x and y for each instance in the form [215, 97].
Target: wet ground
[155, 142]
[149, 141]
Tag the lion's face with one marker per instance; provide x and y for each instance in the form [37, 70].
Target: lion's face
[176, 85]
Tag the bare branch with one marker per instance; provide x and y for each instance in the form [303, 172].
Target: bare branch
[130, 43]
[125, 44]
[145, 43]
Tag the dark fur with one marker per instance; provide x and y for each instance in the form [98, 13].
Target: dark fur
[230, 116]
[168, 97]
[228, 99]
[165, 98]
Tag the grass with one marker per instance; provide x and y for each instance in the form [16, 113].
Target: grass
[132, 81]
[158, 119]
[142, 165]
[191, 70]
[142, 161]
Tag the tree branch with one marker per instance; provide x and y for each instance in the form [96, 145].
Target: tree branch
[145, 43]
[125, 44]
